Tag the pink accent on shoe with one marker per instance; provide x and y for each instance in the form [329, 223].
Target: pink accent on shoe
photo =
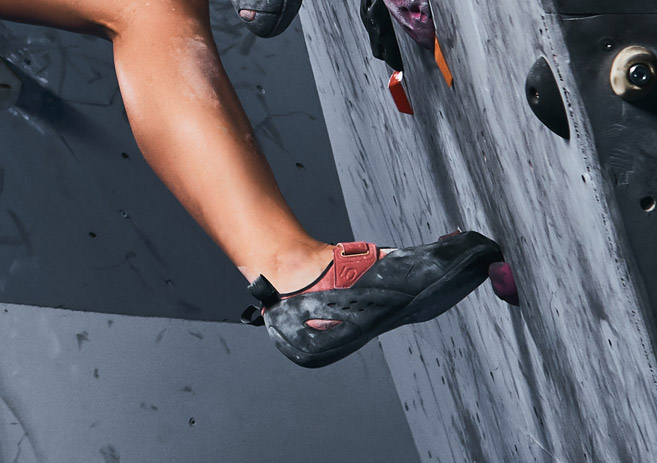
[322, 325]
[504, 285]
[247, 15]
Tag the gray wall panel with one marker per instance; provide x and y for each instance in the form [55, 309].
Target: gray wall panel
[568, 376]
[84, 387]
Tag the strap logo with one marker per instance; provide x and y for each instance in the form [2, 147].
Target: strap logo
[348, 273]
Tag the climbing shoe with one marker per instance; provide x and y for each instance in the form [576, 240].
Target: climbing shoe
[367, 291]
[267, 18]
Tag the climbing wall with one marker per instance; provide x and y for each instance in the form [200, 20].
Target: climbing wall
[569, 375]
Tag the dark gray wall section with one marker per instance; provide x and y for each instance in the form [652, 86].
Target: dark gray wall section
[70, 168]
[625, 133]
[569, 376]
[92, 388]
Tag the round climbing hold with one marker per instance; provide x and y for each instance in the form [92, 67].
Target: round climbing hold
[633, 73]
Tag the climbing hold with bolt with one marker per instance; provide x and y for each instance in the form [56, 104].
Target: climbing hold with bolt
[640, 75]
[633, 73]
[545, 99]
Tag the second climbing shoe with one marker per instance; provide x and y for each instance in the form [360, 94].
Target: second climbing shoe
[367, 291]
[267, 18]
[415, 18]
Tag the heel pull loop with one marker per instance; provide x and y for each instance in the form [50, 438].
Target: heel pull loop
[264, 291]
[247, 316]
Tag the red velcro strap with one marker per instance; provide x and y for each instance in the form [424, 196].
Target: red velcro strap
[359, 247]
[352, 260]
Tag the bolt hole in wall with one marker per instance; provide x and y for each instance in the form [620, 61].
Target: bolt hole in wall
[648, 204]
[607, 44]
[5, 86]
[534, 95]
[192, 422]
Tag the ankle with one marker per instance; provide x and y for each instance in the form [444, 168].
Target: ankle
[300, 267]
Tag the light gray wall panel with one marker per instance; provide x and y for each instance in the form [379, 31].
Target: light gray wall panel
[84, 387]
[569, 376]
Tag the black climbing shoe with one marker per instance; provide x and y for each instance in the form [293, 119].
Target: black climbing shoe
[367, 291]
[267, 18]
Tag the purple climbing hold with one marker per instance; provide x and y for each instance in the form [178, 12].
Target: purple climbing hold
[415, 18]
[504, 285]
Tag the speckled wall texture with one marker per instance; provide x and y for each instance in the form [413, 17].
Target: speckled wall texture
[569, 376]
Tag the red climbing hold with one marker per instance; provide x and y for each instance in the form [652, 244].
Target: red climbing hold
[398, 92]
[504, 285]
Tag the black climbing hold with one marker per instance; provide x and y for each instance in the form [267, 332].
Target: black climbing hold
[545, 99]
[377, 22]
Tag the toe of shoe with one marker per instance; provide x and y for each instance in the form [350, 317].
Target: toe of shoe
[264, 24]
[273, 20]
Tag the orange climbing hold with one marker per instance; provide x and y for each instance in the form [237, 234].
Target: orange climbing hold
[398, 93]
[442, 64]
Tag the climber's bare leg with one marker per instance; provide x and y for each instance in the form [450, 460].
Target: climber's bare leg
[191, 128]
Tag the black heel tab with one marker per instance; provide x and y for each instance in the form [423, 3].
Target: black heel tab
[264, 291]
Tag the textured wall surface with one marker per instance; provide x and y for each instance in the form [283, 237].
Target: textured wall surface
[93, 388]
[569, 376]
